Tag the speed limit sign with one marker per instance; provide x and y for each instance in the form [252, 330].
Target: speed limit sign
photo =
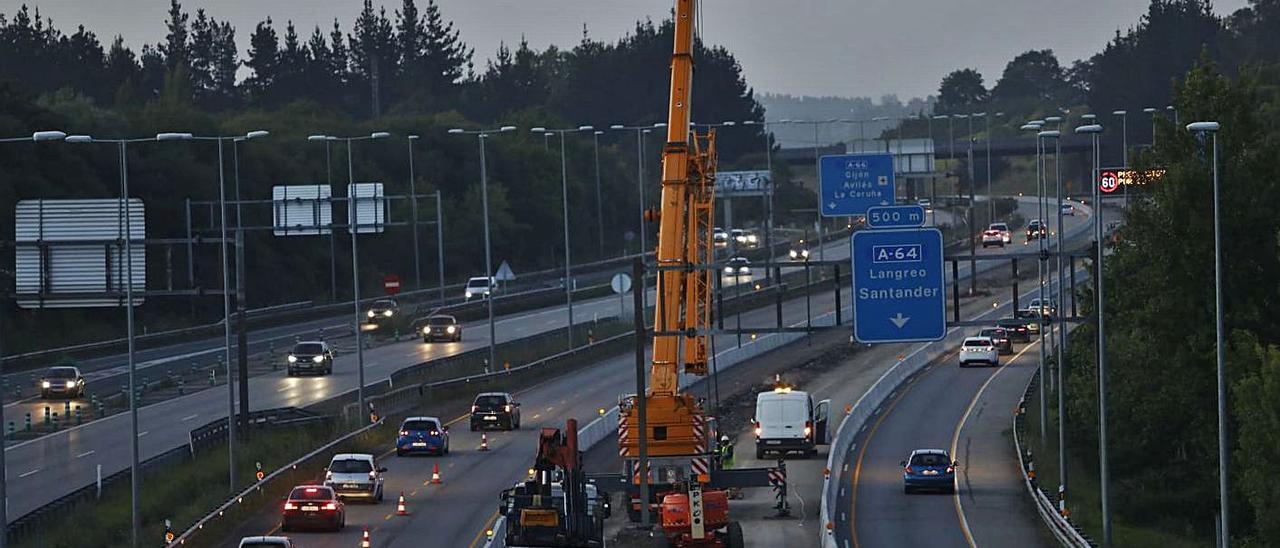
[1108, 181]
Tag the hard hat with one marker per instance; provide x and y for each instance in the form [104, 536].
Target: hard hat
[724, 438]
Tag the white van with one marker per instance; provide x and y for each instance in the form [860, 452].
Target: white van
[787, 420]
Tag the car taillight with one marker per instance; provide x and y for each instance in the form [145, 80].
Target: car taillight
[506, 408]
[758, 430]
[328, 476]
[290, 506]
[808, 428]
[907, 469]
[404, 432]
[435, 433]
[331, 506]
[951, 469]
[373, 474]
[475, 408]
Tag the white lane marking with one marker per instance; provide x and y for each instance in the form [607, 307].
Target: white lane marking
[143, 433]
[85, 454]
[28, 473]
[285, 388]
[189, 417]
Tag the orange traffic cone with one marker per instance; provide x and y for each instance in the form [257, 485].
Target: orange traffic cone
[484, 441]
[435, 473]
[400, 509]
[364, 541]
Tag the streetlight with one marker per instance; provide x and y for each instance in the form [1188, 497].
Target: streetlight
[481, 135]
[38, 136]
[122, 151]
[1094, 130]
[564, 195]
[1036, 126]
[413, 209]
[1174, 110]
[768, 162]
[355, 249]
[595, 140]
[1152, 111]
[1124, 147]
[226, 285]
[1203, 129]
[1062, 332]
[641, 131]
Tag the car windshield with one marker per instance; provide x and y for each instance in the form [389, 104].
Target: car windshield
[977, 343]
[930, 459]
[999, 226]
[994, 333]
[61, 373]
[350, 466]
[263, 544]
[476, 282]
[441, 320]
[384, 304]
[309, 493]
[308, 348]
[419, 426]
[488, 402]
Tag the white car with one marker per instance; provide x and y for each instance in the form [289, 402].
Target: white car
[1005, 235]
[979, 350]
[925, 203]
[479, 287]
[1068, 209]
[992, 237]
[719, 237]
[355, 475]
[738, 235]
[1047, 308]
[266, 542]
[737, 266]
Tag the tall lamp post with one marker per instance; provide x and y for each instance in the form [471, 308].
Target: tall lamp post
[1152, 111]
[1094, 130]
[482, 135]
[1060, 299]
[354, 221]
[1124, 147]
[413, 210]
[123, 154]
[641, 131]
[226, 289]
[768, 166]
[595, 140]
[564, 195]
[36, 137]
[1203, 130]
[1037, 126]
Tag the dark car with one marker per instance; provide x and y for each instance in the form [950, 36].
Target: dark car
[62, 381]
[1016, 329]
[441, 327]
[422, 435]
[382, 311]
[928, 469]
[495, 410]
[1036, 229]
[310, 357]
[313, 506]
[999, 336]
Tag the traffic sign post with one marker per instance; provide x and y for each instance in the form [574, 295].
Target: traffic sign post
[1108, 181]
[391, 284]
[621, 284]
[899, 294]
[852, 183]
[895, 216]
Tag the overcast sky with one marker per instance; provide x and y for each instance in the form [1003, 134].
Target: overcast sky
[801, 47]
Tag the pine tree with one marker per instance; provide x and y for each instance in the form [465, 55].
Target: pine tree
[264, 60]
[446, 59]
[174, 47]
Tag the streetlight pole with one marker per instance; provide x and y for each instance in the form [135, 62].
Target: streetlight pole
[413, 208]
[641, 131]
[1094, 130]
[122, 151]
[1203, 129]
[354, 222]
[4, 514]
[564, 194]
[1036, 126]
[1152, 111]
[1124, 147]
[440, 243]
[481, 135]
[768, 163]
[333, 246]
[1062, 331]
[595, 140]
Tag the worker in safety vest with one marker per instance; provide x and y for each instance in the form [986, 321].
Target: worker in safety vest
[724, 452]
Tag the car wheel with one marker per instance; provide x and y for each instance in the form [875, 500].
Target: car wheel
[907, 490]
[284, 527]
[446, 448]
[399, 453]
[473, 427]
[733, 534]
[759, 454]
[379, 499]
[289, 373]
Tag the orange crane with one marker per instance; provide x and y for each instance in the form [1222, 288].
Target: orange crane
[677, 431]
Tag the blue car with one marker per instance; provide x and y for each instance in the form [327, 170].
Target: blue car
[422, 435]
[928, 469]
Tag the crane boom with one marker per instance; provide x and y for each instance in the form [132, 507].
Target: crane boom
[676, 421]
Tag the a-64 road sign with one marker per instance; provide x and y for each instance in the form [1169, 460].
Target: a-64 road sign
[899, 294]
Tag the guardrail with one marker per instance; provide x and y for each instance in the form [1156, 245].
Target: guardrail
[1062, 529]
[257, 486]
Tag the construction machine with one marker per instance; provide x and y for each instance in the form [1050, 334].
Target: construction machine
[676, 429]
[556, 507]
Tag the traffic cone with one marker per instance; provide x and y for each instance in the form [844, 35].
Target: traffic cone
[484, 441]
[435, 473]
[400, 509]
[364, 541]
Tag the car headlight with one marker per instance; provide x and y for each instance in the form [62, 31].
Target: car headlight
[804, 253]
[426, 330]
[293, 359]
[317, 359]
[794, 254]
[451, 330]
[752, 239]
[369, 313]
[387, 313]
[468, 294]
[728, 270]
[71, 384]
[45, 384]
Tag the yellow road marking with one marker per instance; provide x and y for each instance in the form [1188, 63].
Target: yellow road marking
[955, 440]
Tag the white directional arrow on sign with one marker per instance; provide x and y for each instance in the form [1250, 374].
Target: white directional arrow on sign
[831, 205]
[899, 320]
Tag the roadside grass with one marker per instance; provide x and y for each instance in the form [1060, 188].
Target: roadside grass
[1084, 498]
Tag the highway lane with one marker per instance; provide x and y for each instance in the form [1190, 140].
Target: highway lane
[41, 470]
[457, 512]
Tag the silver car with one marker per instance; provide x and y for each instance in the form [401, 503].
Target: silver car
[979, 350]
[355, 476]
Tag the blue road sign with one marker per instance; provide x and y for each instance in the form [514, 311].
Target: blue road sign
[895, 216]
[899, 294]
[852, 183]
